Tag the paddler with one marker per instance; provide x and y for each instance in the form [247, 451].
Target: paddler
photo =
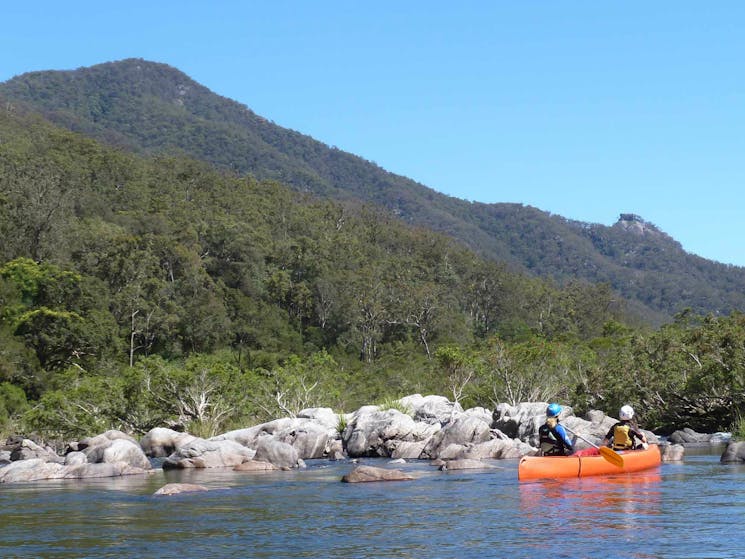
[552, 437]
[622, 435]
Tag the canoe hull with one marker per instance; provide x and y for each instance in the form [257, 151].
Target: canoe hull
[551, 467]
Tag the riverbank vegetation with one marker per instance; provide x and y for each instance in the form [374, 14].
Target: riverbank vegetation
[137, 293]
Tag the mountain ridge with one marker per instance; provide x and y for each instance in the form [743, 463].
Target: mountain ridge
[151, 107]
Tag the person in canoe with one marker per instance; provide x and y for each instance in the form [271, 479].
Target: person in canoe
[624, 434]
[552, 437]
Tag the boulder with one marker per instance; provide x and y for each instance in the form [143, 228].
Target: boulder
[672, 452]
[75, 458]
[362, 474]
[451, 451]
[431, 409]
[36, 469]
[284, 456]
[734, 453]
[201, 453]
[161, 442]
[405, 449]
[128, 451]
[178, 488]
[336, 450]
[311, 437]
[369, 429]
[113, 447]
[482, 413]
[495, 449]
[104, 439]
[100, 469]
[26, 449]
[521, 421]
[688, 436]
[255, 466]
[463, 430]
[326, 417]
[32, 469]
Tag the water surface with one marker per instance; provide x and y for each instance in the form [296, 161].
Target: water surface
[692, 509]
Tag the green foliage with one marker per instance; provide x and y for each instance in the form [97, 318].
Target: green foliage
[84, 404]
[394, 404]
[130, 103]
[13, 405]
[299, 383]
[140, 292]
[738, 427]
[460, 369]
[202, 395]
[342, 423]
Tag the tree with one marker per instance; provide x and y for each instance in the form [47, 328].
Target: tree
[297, 385]
[459, 367]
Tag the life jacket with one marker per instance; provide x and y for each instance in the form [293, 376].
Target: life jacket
[622, 439]
[548, 442]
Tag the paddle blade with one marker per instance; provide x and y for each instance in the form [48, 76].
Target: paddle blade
[611, 456]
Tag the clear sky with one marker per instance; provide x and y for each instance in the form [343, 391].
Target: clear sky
[582, 109]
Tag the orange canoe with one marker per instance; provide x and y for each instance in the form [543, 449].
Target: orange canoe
[538, 467]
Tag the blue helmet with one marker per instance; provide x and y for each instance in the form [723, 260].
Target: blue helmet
[553, 410]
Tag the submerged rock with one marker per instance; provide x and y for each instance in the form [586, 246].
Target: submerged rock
[672, 452]
[466, 464]
[178, 488]
[362, 474]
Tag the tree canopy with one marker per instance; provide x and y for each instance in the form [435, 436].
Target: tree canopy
[140, 291]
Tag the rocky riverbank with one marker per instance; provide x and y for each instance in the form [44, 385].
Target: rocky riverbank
[429, 428]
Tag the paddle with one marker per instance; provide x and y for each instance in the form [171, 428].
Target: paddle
[608, 453]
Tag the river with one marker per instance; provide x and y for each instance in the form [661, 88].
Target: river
[692, 509]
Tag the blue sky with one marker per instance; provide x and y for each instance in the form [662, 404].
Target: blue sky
[582, 109]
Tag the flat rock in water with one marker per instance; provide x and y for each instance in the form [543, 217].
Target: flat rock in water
[466, 464]
[370, 473]
[176, 488]
[255, 466]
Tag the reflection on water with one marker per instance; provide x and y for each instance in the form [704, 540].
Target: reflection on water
[616, 510]
[683, 510]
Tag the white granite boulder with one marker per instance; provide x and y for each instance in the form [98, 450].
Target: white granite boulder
[161, 442]
[201, 453]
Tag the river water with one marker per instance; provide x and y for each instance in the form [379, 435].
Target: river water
[692, 509]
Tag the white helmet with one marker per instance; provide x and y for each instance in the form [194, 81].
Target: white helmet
[626, 413]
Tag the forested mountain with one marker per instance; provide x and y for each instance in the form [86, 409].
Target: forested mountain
[152, 108]
[140, 291]
[113, 267]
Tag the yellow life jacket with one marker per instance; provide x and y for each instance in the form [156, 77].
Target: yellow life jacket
[622, 439]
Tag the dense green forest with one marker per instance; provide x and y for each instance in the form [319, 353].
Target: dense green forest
[157, 291]
[152, 108]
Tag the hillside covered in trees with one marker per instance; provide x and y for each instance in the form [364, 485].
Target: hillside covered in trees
[152, 108]
[140, 291]
[110, 260]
